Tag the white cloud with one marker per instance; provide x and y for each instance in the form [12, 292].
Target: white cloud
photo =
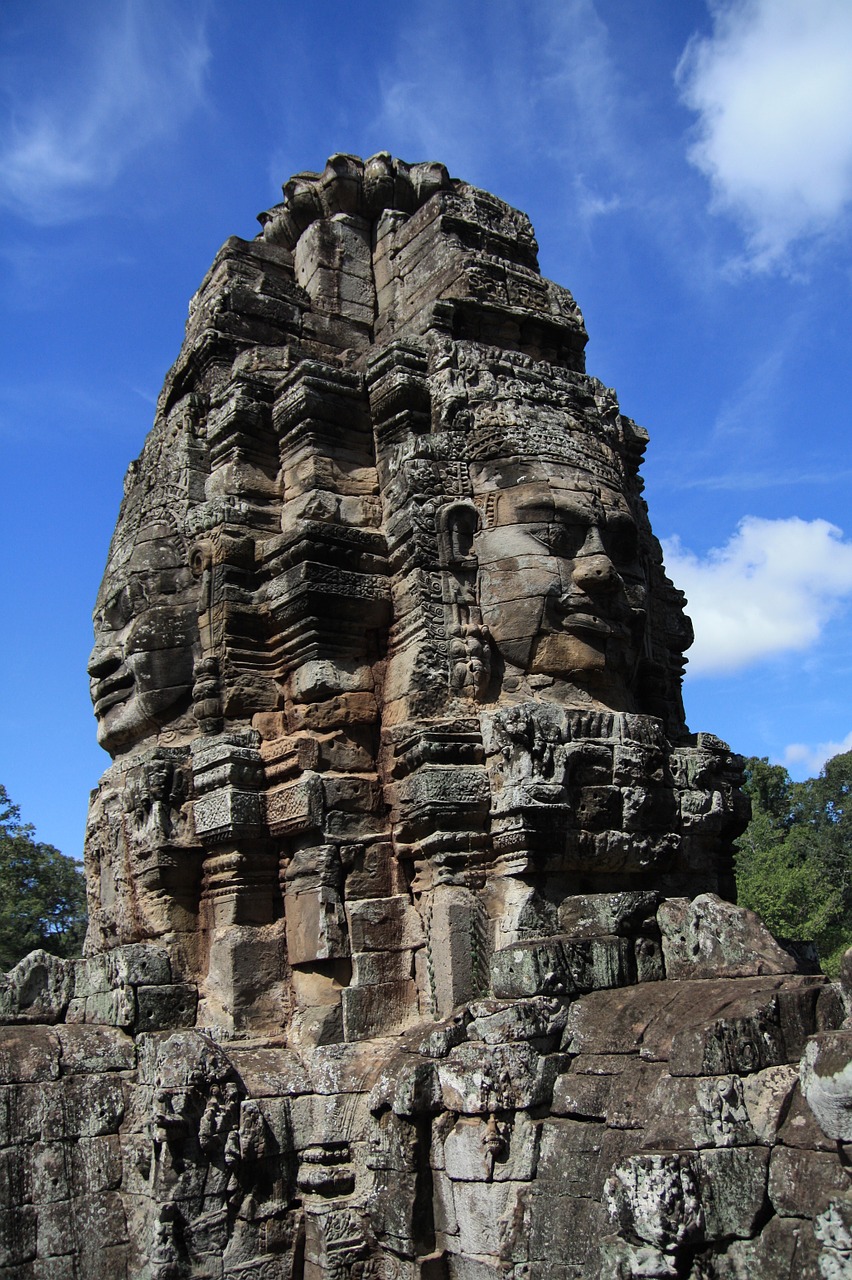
[140, 75]
[770, 590]
[773, 90]
[807, 761]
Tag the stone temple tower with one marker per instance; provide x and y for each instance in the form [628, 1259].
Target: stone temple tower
[384, 599]
[410, 952]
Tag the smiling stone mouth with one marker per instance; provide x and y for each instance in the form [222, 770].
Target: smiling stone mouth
[109, 693]
[587, 622]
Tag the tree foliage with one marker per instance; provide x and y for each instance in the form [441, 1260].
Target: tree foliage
[42, 893]
[794, 860]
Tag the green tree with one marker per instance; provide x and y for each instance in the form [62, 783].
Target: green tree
[42, 893]
[794, 860]
[825, 810]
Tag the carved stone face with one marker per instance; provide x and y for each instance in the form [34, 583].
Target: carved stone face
[145, 628]
[561, 588]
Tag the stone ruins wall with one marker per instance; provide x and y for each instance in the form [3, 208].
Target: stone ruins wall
[410, 952]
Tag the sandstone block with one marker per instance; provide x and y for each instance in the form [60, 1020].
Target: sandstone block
[631, 1104]
[138, 964]
[592, 914]
[801, 1182]
[570, 1161]
[166, 1008]
[369, 968]
[732, 1187]
[456, 948]
[384, 924]
[657, 1199]
[800, 1127]
[97, 1163]
[297, 1123]
[316, 926]
[786, 1249]
[59, 1268]
[583, 1097]
[20, 1113]
[83, 1106]
[648, 1018]
[54, 1237]
[28, 1055]
[826, 1075]
[52, 1172]
[539, 1019]
[383, 1009]
[37, 989]
[710, 938]
[92, 1049]
[18, 1228]
[115, 1008]
[17, 1178]
[465, 1154]
[530, 969]
[738, 1045]
[444, 1206]
[561, 966]
[767, 1096]
[564, 1235]
[477, 1080]
[412, 1088]
[707, 1111]
[488, 1216]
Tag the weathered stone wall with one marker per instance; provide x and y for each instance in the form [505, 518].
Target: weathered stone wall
[409, 953]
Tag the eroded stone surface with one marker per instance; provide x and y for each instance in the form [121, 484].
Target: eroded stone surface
[408, 951]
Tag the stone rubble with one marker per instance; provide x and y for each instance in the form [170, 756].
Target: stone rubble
[411, 950]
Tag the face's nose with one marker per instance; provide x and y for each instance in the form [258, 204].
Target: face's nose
[103, 661]
[593, 570]
[595, 573]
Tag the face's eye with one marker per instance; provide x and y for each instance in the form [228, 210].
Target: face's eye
[621, 540]
[562, 538]
[117, 611]
[123, 605]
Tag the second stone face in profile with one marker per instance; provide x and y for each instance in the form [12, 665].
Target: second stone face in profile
[146, 622]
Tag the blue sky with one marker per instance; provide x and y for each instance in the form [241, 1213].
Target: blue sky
[688, 169]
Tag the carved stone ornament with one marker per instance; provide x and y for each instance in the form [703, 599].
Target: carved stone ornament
[410, 950]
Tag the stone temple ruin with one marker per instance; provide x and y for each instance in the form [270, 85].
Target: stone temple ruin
[411, 951]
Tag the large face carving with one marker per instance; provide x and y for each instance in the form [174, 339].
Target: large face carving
[561, 587]
[145, 631]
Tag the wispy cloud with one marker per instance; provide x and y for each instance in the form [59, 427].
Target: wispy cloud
[591, 204]
[40, 410]
[745, 412]
[133, 81]
[773, 93]
[537, 84]
[809, 760]
[750, 480]
[432, 93]
[770, 590]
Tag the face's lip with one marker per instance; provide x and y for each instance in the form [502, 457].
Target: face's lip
[111, 691]
[587, 622]
[578, 613]
[611, 616]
